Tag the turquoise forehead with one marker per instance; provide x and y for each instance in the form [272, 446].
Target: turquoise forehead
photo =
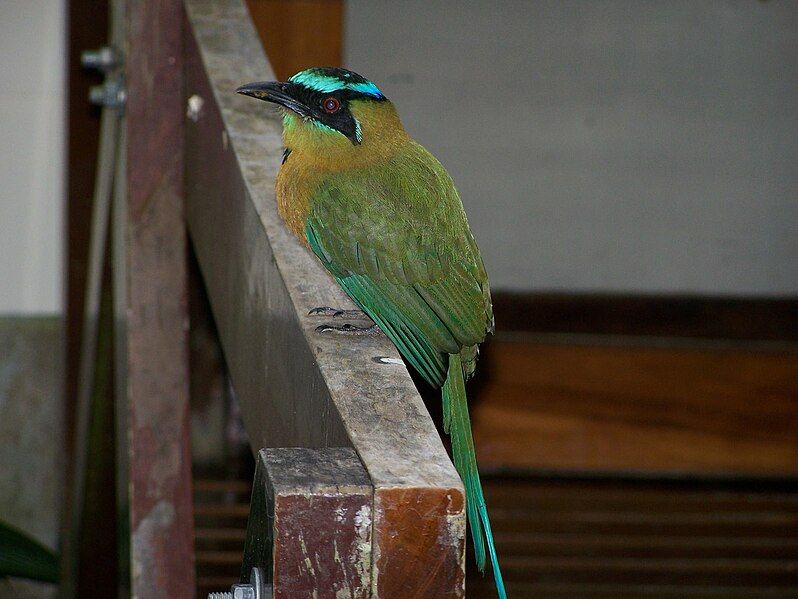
[328, 83]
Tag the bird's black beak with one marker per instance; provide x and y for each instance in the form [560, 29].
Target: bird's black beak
[276, 92]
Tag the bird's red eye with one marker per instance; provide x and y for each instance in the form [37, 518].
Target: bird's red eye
[331, 105]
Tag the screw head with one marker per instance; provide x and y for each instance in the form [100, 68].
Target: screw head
[103, 59]
[243, 591]
[111, 94]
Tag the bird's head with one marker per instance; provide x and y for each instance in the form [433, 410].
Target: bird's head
[331, 111]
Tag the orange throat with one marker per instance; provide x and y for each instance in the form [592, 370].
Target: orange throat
[317, 154]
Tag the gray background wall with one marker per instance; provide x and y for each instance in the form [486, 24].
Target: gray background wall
[32, 145]
[617, 145]
[31, 436]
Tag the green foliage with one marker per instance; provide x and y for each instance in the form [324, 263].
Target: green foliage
[23, 557]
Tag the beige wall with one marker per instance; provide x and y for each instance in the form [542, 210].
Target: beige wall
[32, 117]
[618, 145]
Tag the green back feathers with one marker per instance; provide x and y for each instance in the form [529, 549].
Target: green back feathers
[397, 239]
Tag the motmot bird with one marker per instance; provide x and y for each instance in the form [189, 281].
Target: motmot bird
[384, 218]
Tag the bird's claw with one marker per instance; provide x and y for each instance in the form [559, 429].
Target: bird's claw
[348, 329]
[335, 312]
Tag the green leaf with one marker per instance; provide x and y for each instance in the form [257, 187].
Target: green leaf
[23, 557]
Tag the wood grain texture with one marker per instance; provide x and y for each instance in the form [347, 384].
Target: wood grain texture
[310, 523]
[296, 387]
[222, 507]
[597, 538]
[151, 268]
[298, 34]
[584, 537]
[742, 318]
[636, 409]
[408, 534]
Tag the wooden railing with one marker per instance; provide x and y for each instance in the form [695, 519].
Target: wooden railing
[298, 388]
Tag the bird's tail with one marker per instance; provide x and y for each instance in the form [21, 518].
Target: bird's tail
[458, 425]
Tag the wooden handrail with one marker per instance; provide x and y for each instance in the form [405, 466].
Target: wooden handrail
[296, 387]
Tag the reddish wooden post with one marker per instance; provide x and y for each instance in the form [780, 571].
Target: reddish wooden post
[309, 523]
[150, 277]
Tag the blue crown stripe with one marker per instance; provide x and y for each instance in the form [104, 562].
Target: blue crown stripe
[325, 83]
[365, 88]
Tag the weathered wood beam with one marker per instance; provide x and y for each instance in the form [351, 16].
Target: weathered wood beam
[296, 387]
[152, 322]
[309, 523]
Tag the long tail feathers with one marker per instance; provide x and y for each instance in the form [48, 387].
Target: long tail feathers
[458, 425]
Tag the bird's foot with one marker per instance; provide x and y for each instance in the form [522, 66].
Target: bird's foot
[336, 313]
[348, 329]
[345, 329]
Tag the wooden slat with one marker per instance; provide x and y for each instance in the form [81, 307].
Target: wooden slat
[632, 538]
[551, 546]
[641, 545]
[219, 535]
[225, 558]
[238, 487]
[234, 510]
[481, 589]
[220, 532]
[611, 493]
[637, 408]
[150, 286]
[741, 318]
[296, 387]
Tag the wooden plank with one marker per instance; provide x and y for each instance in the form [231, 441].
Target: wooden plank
[607, 537]
[150, 273]
[591, 590]
[310, 523]
[547, 529]
[298, 34]
[739, 318]
[543, 406]
[296, 387]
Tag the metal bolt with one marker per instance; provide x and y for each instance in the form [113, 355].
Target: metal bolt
[111, 93]
[103, 59]
[244, 591]
[255, 589]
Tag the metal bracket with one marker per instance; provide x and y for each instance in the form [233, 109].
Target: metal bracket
[108, 61]
[111, 93]
[104, 59]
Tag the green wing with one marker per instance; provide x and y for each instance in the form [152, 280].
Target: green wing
[396, 238]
